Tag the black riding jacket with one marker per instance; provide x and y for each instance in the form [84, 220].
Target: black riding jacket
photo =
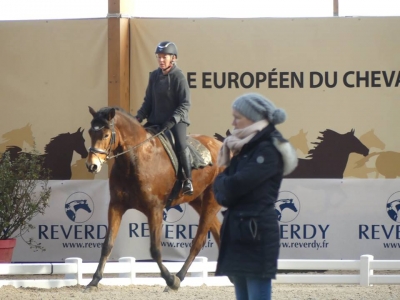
[167, 96]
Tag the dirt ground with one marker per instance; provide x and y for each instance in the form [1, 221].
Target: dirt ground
[280, 291]
[136, 292]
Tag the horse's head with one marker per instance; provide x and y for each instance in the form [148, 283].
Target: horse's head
[370, 140]
[82, 204]
[20, 135]
[287, 203]
[102, 135]
[299, 141]
[354, 144]
[78, 142]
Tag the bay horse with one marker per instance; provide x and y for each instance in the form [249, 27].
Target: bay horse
[142, 177]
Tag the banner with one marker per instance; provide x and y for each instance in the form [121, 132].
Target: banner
[319, 219]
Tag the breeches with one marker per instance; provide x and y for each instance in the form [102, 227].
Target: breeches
[179, 132]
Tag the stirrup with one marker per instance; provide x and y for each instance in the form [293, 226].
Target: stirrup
[187, 188]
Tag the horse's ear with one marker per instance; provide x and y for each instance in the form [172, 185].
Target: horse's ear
[79, 130]
[352, 130]
[111, 114]
[92, 111]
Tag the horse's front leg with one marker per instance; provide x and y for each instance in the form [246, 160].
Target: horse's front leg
[207, 210]
[114, 221]
[155, 223]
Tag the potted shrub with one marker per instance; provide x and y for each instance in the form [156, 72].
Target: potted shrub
[24, 193]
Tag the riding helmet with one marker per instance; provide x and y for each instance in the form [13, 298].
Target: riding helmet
[167, 48]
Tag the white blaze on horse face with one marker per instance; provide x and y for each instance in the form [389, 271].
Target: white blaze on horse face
[94, 160]
[99, 163]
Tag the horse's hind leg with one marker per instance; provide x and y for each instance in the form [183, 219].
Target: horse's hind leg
[207, 208]
[114, 221]
[155, 223]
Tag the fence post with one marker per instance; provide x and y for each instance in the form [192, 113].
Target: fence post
[78, 275]
[132, 273]
[204, 272]
[365, 270]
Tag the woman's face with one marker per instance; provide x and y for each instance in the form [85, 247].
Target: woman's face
[164, 60]
[240, 121]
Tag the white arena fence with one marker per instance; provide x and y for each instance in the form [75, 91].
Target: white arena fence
[127, 269]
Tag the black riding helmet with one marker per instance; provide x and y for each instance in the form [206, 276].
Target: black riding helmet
[167, 48]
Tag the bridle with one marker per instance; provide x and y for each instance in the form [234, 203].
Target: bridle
[107, 152]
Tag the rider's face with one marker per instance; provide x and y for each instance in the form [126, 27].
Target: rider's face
[164, 60]
[240, 121]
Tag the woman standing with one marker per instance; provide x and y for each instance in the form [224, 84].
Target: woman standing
[249, 187]
[167, 103]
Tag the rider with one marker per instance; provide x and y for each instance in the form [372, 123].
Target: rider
[167, 103]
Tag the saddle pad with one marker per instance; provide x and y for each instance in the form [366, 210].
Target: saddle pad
[200, 156]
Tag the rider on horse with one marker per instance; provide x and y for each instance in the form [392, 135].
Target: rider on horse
[167, 103]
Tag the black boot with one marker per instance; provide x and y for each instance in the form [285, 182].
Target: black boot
[184, 158]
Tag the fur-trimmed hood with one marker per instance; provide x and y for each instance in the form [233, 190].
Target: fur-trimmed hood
[289, 155]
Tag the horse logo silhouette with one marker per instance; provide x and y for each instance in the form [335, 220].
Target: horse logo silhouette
[79, 207]
[18, 137]
[393, 207]
[328, 159]
[174, 214]
[287, 207]
[58, 153]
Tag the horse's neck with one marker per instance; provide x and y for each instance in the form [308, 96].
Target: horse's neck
[131, 136]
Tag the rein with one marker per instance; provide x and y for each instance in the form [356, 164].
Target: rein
[96, 151]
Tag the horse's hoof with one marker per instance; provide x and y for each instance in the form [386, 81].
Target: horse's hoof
[169, 289]
[176, 284]
[90, 288]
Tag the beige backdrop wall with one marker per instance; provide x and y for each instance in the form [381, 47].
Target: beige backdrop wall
[296, 46]
[51, 71]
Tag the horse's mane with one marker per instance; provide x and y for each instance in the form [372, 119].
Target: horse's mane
[124, 112]
[328, 140]
[102, 114]
[57, 142]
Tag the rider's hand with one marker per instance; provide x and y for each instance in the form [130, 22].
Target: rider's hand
[169, 124]
[138, 118]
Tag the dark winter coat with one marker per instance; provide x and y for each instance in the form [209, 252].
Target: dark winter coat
[249, 187]
[167, 96]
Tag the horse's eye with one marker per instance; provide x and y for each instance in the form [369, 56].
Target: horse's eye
[106, 136]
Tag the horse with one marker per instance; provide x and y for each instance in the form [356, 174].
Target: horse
[72, 207]
[356, 166]
[392, 209]
[58, 153]
[286, 204]
[328, 159]
[17, 137]
[299, 142]
[142, 177]
[387, 163]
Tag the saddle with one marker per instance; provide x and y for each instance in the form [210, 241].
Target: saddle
[200, 157]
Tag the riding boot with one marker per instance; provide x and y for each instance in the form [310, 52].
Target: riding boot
[184, 157]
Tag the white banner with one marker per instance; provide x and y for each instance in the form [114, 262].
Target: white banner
[319, 219]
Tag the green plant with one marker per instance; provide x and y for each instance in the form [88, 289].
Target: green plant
[24, 193]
